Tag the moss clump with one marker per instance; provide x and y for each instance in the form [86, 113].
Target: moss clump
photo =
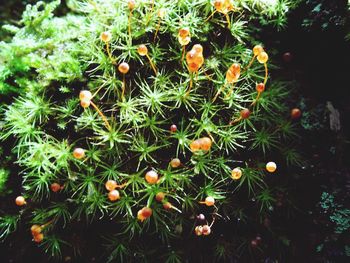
[160, 80]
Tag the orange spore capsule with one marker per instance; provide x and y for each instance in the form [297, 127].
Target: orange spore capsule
[195, 146]
[173, 128]
[271, 167]
[193, 67]
[209, 201]
[111, 185]
[174, 163]
[140, 216]
[106, 36]
[198, 230]
[55, 187]
[257, 50]
[131, 4]
[20, 201]
[160, 196]
[38, 238]
[184, 32]
[113, 195]
[263, 57]
[142, 50]
[206, 230]
[206, 143]
[219, 5]
[233, 73]
[144, 213]
[167, 205]
[79, 153]
[123, 67]
[35, 229]
[245, 113]
[260, 87]
[236, 173]
[151, 177]
[295, 113]
[190, 56]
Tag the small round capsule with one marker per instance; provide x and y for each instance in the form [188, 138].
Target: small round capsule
[206, 143]
[233, 73]
[38, 238]
[79, 153]
[257, 50]
[219, 5]
[106, 36]
[167, 205]
[198, 230]
[184, 32]
[20, 201]
[260, 87]
[146, 212]
[174, 163]
[111, 185]
[236, 173]
[55, 187]
[35, 229]
[113, 195]
[209, 201]
[206, 230]
[245, 113]
[140, 216]
[271, 167]
[123, 67]
[295, 113]
[173, 128]
[254, 243]
[190, 56]
[131, 4]
[258, 238]
[201, 217]
[151, 177]
[287, 57]
[160, 196]
[263, 57]
[195, 146]
[142, 50]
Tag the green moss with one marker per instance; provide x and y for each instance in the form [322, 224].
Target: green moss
[4, 174]
[51, 59]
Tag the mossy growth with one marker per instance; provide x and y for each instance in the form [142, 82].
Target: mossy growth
[138, 112]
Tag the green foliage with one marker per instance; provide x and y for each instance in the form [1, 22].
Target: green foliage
[126, 133]
[8, 224]
[4, 174]
[338, 214]
[44, 45]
